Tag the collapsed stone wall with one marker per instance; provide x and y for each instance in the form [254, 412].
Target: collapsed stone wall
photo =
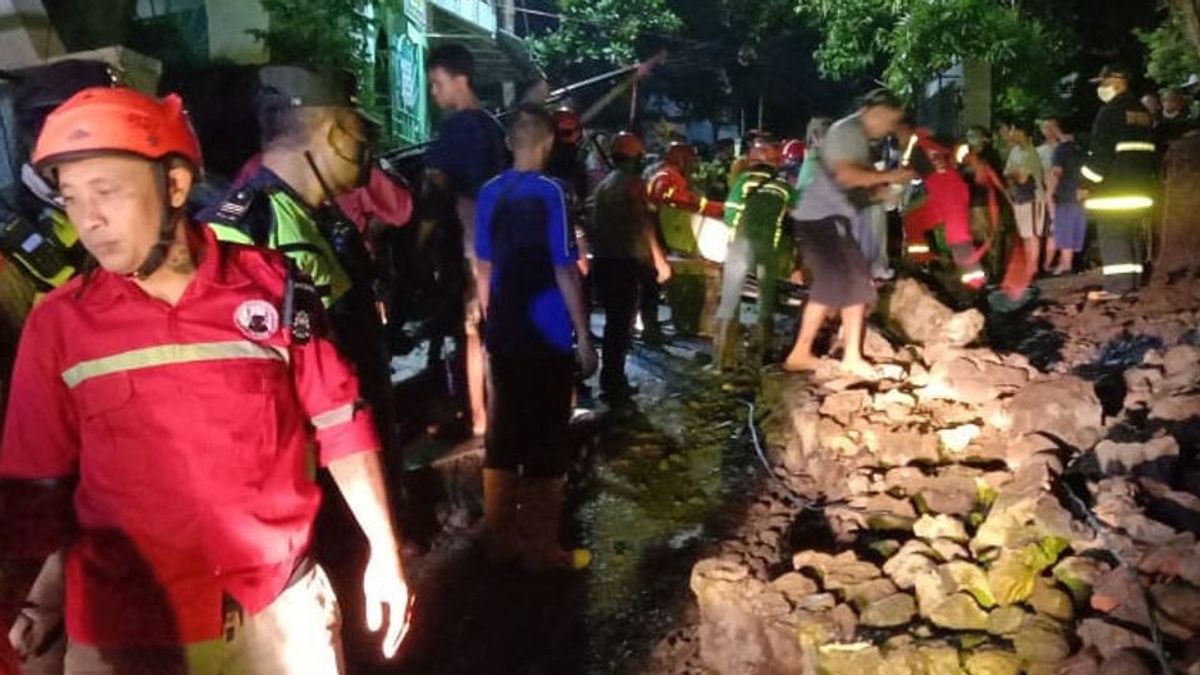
[972, 514]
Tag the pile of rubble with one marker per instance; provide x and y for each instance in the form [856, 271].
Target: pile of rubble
[970, 513]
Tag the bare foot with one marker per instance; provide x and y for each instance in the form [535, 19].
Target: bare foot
[800, 363]
[859, 368]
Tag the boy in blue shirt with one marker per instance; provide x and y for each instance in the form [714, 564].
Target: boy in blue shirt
[535, 328]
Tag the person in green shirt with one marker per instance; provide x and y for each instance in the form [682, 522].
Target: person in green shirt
[754, 210]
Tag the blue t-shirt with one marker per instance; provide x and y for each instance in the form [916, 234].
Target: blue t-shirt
[1068, 156]
[521, 227]
[470, 150]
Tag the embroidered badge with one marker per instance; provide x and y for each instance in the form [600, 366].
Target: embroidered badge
[257, 319]
[302, 327]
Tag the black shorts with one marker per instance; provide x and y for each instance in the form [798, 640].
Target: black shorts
[529, 411]
[840, 274]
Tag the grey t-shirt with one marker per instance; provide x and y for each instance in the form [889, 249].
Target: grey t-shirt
[846, 141]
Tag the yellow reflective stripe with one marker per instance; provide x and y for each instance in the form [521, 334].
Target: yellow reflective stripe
[1091, 175]
[169, 355]
[1136, 146]
[1123, 203]
[918, 248]
[295, 227]
[332, 418]
[230, 234]
[1126, 268]
[973, 276]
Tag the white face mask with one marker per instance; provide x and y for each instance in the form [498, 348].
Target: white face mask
[1106, 92]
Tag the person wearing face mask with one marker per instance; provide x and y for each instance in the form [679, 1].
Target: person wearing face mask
[316, 146]
[1118, 175]
[169, 407]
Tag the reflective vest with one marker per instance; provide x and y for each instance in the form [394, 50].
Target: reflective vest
[271, 215]
[1120, 169]
[48, 253]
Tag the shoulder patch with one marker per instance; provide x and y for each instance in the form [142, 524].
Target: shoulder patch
[234, 208]
[247, 210]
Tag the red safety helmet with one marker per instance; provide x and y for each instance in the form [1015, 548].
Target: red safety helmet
[627, 145]
[680, 154]
[107, 119]
[764, 152]
[567, 126]
[793, 151]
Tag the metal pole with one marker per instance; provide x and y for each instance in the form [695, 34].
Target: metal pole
[760, 113]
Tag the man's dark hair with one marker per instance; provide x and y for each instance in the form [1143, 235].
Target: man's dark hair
[1015, 122]
[882, 97]
[454, 59]
[531, 124]
[909, 119]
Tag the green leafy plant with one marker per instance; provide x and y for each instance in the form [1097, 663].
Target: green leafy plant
[911, 41]
[594, 35]
[1173, 57]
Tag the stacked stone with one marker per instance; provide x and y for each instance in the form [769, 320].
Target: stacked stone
[975, 516]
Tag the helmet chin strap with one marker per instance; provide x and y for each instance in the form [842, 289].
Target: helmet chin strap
[166, 235]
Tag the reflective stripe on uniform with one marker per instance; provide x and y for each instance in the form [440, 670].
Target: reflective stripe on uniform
[332, 418]
[918, 248]
[169, 355]
[1122, 203]
[969, 277]
[1136, 146]
[1125, 268]
[1091, 175]
[230, 234]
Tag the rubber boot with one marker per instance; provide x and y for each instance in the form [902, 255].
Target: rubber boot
[501, 536]
[541, 520]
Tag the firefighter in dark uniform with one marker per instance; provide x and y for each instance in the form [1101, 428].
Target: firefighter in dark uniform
[1117, 181]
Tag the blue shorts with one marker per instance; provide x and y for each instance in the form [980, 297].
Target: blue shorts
[1070, 226]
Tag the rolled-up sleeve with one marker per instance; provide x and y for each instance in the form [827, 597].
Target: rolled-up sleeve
[39, 454]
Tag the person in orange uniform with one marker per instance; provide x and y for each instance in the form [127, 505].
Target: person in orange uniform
[168, 411]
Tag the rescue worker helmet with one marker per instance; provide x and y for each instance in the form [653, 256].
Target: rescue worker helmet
[680, 154]
[568, 128]
[104, 119]
[764, 152]
[793, 151]
[627, 145]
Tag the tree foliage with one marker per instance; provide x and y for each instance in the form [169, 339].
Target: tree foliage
[1173, 57]
[594, 35]
[330, 33]
[911, 41]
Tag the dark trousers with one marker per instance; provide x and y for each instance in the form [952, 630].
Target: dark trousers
[1121, 249]
[618, 283]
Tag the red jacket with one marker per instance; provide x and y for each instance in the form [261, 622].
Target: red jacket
[190, 431]
[669, 187]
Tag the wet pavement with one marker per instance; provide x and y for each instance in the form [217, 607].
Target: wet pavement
[657, 483]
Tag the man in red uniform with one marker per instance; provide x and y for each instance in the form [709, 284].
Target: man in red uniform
[669, 196]
[183, 393]
[669, 185]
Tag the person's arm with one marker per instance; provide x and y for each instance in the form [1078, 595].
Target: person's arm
[348, 446]
[485, 209]
[563, 255]
[649, 229]
[1052, 182]
[850, 175]
[359, 478]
